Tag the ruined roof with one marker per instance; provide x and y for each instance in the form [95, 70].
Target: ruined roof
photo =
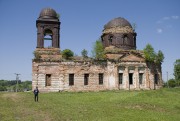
[117, 22]
[118, 25]
[48, 13]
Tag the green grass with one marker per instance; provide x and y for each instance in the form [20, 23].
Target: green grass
[153, 105]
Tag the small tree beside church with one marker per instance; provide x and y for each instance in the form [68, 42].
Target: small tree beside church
[149, 53]
[152, 56]
[159, 57]
[98, 50]
[84, 53]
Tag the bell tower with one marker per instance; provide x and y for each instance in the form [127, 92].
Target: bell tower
[47, 53]
[48, 26]
[48, 38]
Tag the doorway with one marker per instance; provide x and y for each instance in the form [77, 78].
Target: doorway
[130, 78]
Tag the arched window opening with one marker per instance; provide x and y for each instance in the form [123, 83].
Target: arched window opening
[125, 39]
[110, 40]
[134, 37]
[102, 39]
[48, 38]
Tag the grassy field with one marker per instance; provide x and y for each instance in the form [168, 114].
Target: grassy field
[154, 105]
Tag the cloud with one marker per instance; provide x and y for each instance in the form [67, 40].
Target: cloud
[175, 17]
[166, 18]
[166, 23]
[162, 20]
[159, 30]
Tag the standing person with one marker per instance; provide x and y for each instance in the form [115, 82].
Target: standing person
[36, 91]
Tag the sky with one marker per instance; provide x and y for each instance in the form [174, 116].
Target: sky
[82, 22]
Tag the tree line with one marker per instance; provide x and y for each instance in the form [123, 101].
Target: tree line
[175, 82]
[11, 85]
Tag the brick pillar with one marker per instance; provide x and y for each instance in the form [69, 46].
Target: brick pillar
[147, 83]
[126, 78]
[136, 74]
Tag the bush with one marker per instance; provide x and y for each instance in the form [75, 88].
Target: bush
[37, 55]
[67, 53]
[3, 88]
[177, 82]
[171, 83]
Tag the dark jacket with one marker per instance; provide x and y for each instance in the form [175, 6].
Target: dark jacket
[36, 91]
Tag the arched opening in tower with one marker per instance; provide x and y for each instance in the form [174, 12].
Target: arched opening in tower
[48, 38]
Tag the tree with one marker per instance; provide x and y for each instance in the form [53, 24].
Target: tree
[3, 88]
[151, 56]
[171, 83]
[84, 53]
[159, 57]
[149, 53]
[26, 85]
[98, 50]
[177, 71]
[67, 53]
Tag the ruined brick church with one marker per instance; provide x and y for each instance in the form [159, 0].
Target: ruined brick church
[124, 66]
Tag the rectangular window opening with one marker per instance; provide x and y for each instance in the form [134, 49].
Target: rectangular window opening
[101, 78]
[71, 79]
[156, 78]
[86, 79]
[130, 78]
[48, 79]
[120, 78]
[140, 78]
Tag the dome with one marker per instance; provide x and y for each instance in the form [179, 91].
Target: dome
[119, 33]
[117, 22]
[48, 13]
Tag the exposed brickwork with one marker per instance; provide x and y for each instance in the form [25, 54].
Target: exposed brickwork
[60, 74]
[50, 72]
